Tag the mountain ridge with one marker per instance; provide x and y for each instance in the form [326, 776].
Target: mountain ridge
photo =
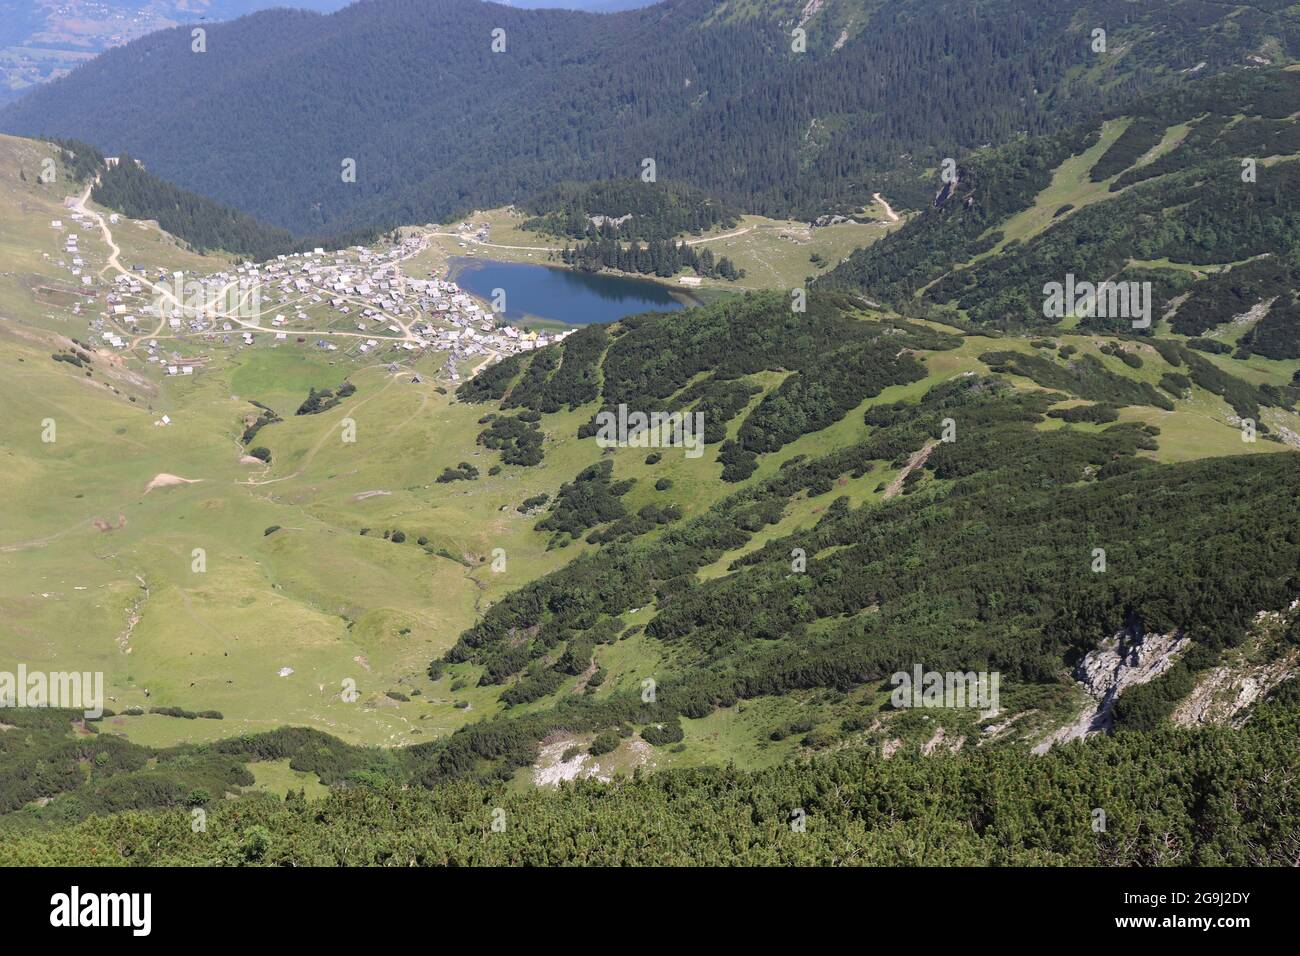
[397, 87]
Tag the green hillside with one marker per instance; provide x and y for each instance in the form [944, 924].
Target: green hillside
[1194, 192]
[312, 547]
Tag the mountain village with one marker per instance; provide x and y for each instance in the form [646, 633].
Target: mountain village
[357, 301]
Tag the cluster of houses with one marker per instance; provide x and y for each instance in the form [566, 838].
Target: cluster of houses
[356, 300]
[475, 232]
[127, 297]
[388, 310]
[71, 246]
[458, 324]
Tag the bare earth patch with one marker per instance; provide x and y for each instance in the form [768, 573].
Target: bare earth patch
[916, 461]
[551, 767]
[163, 480]
[889, 210]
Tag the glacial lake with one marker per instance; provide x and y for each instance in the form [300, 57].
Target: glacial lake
[552, 294]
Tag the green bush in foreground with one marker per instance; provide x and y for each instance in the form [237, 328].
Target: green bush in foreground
[1215, 796]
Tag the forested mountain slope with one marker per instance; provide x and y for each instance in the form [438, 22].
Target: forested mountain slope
[204, 224]
[207, 225]
[626, 209]
[997, 552]
[1215, 797]
[44, 39]
[896, 493]
[1196, 191]
[436, 121]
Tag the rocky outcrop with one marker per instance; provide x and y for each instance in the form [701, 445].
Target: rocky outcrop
[1226, 693]
[941, 741]
[1124, 661]
[1246, 675]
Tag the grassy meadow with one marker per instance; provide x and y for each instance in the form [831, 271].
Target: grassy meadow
[194, 577]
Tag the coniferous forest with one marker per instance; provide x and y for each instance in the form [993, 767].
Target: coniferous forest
[583, 97]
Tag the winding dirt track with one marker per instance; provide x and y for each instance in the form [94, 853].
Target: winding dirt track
[495, 245]
[329, 433]
[114, 262]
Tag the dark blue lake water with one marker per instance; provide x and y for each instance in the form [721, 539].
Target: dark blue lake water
[574, 298]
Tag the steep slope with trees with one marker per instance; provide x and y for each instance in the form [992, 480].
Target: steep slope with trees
[436, 121]
[1203, 202]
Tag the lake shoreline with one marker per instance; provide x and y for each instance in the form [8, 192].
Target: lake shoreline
[653, 295]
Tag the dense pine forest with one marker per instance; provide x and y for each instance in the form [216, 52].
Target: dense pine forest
[1215, 797]
[612, 219]
[1211, 223]
[789, 133]
[626, 209]
[663, 259]
[204, 224]
[208, 226]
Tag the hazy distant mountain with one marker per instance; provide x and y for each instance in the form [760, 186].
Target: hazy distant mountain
[41, 40]
[590, 6]
[436, 121]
